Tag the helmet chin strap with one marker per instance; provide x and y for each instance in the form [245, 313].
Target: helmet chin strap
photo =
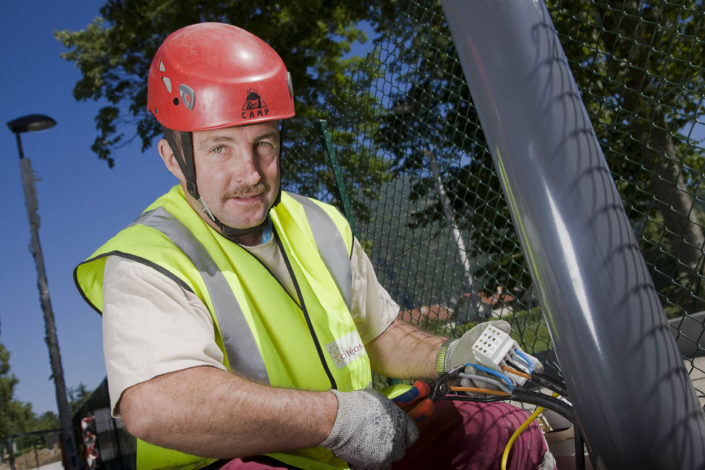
[183, 151]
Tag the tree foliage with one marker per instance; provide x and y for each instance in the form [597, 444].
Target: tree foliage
[15, 416]
[78, 396]
[114, 52]
[431, 122]
[638, 66]
[407, 108]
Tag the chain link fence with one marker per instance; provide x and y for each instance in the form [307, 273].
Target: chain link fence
[407, 162]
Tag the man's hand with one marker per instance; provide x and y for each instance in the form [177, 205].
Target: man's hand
[459, 351]
[370, 431]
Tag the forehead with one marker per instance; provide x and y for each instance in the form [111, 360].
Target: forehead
[246, 133]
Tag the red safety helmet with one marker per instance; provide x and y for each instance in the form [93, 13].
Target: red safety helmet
[215, 75]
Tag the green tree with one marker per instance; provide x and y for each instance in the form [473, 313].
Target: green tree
[639, 68]
[47, 420]
[77, 397]
[452, 179]
[407, 108]
[114, 52]
[15, 416]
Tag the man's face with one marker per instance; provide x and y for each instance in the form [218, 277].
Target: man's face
[237, 171]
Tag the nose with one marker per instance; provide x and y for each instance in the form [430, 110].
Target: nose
[246, 169]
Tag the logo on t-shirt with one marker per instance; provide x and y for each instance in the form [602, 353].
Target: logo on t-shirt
[346, 349]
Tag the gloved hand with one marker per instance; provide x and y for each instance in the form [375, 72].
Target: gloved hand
[370, 431]
[459, 351]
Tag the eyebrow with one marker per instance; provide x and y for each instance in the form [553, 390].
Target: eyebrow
[214, 140]
[224, 138]
[266, 135]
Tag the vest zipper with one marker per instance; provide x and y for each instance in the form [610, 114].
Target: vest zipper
[321, 356]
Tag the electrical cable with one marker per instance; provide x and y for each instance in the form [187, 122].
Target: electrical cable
[498, 374]
[550, 383]
[534, 398]
[442, 390]
[481, 390]
[494, 382]
[517, 433]
[513, 363]
[516, 372]
[551, 403]
[525, 358]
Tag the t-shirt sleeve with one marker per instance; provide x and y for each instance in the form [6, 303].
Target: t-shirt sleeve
[151, 326]
[373, 309]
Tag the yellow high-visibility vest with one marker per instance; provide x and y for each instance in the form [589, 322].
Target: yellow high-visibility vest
[309, 341]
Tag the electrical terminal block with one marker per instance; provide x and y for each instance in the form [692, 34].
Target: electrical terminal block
[493, 348]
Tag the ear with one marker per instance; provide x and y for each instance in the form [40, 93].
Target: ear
[169, 159]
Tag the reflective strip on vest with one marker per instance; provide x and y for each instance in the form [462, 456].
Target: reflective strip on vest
[331, 246]
[240, 345]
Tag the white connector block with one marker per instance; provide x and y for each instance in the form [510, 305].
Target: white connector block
[493, 348]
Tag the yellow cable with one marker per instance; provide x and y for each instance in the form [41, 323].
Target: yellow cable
[520, 429]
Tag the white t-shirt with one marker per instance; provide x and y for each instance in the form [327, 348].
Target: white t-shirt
[153, 326]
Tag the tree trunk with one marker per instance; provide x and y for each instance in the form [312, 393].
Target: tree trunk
[675, 203]
[450, 218]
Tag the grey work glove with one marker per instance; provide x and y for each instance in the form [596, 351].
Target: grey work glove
[370, 431]
[459, 351]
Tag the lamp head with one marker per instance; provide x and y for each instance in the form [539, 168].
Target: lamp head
[29, 123]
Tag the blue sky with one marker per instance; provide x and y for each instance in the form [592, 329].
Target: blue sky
[81, 201]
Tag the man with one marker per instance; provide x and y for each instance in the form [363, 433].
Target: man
[241, 323]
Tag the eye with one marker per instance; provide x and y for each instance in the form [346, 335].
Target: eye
[266, 149]
[218, 149]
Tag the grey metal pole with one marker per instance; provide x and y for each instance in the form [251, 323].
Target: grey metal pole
[50, 337]
[632, 395]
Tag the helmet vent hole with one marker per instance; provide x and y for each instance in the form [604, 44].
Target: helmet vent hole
[167, 84]
[176, 101]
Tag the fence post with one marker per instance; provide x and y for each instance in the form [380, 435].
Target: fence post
[631, 393]
[335, 166]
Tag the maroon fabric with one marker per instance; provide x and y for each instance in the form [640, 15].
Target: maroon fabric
[458, 435]
[469, 435]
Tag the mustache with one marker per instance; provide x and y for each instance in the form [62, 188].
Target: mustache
[248, 190]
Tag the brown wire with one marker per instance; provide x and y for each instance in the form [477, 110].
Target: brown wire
[480, 390]
[516, 372]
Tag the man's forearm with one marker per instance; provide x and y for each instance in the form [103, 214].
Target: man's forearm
[405, 352]
[210, 412]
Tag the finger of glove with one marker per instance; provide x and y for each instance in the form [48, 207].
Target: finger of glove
[411, 434]
[407, 432]
[370, 431]
[501, 325]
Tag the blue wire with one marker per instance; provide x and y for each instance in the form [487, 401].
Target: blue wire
[526, 359]
[493, 372]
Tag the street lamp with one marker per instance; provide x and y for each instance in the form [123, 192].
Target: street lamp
[38, 122]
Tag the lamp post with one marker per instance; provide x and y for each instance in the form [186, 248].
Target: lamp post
[38, 122]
